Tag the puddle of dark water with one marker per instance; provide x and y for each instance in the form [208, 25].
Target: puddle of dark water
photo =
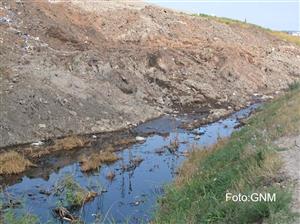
[132, 195]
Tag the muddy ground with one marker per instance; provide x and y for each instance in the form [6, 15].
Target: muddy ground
[84, 67]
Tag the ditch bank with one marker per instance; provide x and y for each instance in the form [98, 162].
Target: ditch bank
[128, 188]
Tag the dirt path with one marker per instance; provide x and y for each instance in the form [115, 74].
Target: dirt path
[291, 166]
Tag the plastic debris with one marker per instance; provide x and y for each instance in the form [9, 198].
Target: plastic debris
[139, 138]
[39, 143]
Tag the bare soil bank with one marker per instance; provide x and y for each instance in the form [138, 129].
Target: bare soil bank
[84, 67]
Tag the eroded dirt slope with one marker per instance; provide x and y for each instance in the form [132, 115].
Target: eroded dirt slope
[82, 67]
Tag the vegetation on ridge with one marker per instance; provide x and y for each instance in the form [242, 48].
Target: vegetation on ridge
[247, 163]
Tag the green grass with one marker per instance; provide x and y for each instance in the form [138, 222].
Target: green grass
[246, 163]
[8, 214]
[72, 194]
[10, 217]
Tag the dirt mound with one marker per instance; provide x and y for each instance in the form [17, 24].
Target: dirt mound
[82, 67]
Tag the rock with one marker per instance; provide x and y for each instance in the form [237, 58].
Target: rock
[73, 113]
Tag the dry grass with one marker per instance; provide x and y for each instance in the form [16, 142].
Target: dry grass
[286, 111]
[127, 141]
[286, 37]
[281, 35]
[69, 143]
[13, 163]
[94, 161]
[268, 170]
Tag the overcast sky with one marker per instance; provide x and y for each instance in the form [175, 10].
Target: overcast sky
[274, 14]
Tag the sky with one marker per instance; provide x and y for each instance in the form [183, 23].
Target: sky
[274, 14]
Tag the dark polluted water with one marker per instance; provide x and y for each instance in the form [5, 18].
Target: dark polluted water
[131, 197]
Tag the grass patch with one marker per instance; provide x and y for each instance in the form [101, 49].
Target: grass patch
[280, 35]
[69, 143]
[94, 161]
[229, 21]
[13, 163]
[247, 163]
[8, 214]
[72, 194]
[286, 37]
[10, 217]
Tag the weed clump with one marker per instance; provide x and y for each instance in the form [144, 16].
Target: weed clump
[72, 194]
[94, 161]
[10, 217]
[13, 163]
[69, 143]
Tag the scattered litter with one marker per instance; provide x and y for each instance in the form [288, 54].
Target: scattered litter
[197, 137]
[5, 20]
[137, 203]
[94, 136]
[139, 138]
[265, 97]
[198, 132]
[42, 126]
[39, 143]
